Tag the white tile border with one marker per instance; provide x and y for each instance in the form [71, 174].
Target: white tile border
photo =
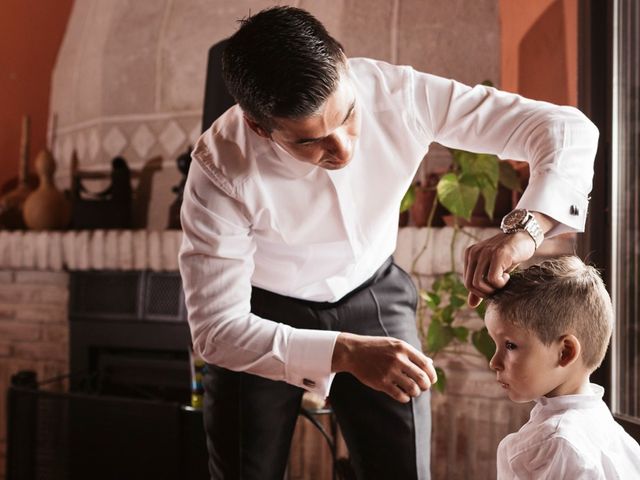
[158, 250]
[90, 250]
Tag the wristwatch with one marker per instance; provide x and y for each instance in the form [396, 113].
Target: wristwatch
[522, 219]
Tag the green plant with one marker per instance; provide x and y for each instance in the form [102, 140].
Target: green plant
[472, 176]
[446, 299]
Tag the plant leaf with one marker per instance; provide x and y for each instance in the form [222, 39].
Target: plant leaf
[489, 193]
[509, 177]
[483, 343]
[408, 199]
[457, 302]
[442, 380]
[438, 336]
[459, 198]
[461, 333]
[448, 314]
[431, 299]
[461, 158]
[482, 168]
[457, 287]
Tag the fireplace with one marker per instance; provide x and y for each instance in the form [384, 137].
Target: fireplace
[126, 413]
[129, 335]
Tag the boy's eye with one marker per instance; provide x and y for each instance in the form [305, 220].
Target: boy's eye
[510, 346]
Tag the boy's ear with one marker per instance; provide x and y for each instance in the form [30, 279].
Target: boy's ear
[256, 127]
[570, 350]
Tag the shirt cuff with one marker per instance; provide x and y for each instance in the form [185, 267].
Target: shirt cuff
[308, 363]
[552, 195]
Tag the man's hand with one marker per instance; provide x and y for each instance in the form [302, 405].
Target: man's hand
[487, 264]
[386, 364]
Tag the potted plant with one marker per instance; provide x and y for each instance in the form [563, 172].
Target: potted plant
[469, 191]
[471, 185]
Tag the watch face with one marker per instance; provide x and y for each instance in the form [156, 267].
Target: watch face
[514, 219]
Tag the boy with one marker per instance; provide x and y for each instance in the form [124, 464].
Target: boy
[551, 325]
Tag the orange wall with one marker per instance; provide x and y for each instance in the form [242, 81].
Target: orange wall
[30, 35]
[539, 45]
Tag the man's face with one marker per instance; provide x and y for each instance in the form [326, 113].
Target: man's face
[326, 138]
[525, 367]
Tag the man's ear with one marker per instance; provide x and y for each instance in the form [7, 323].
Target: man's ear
[255, 126]
[570, 350]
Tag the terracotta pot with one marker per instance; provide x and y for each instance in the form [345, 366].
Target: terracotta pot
[425, 198]
[46, 208]
[403, 220]
[419, 211]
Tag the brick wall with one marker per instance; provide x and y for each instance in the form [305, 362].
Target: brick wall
[34, 332]
[469, 420]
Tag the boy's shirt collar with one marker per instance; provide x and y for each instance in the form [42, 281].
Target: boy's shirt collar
[564, 402]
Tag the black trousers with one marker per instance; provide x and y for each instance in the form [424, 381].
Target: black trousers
[249, 420]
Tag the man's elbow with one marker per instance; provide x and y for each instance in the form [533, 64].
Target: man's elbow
[590, 129]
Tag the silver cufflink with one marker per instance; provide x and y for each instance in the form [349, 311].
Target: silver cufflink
[574, 210]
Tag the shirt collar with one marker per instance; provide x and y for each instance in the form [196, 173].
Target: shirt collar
[291, 166]
[564, 402]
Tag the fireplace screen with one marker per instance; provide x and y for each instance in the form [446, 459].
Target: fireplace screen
[129, 335]
[127, 414]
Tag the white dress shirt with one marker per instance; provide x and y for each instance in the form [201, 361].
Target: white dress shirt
[570, 437]
[254, 215]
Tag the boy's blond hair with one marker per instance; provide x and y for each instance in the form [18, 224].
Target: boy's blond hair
[557, 297]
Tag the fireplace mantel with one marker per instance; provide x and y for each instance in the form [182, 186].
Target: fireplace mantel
[90, 250]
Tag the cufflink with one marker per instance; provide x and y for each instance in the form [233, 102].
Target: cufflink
[308, 383]
[574, 210]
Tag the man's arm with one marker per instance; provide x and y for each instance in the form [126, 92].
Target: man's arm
[216, 264]
[558, 142]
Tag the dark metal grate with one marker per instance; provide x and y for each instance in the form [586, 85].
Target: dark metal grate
[163, 298]
[105, 295]
[56, 436]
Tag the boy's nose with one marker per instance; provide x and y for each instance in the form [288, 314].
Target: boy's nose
[495, 363]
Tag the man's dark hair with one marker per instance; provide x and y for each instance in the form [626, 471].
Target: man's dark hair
[282, 62]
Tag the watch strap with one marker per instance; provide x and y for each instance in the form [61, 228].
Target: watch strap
[532, 227]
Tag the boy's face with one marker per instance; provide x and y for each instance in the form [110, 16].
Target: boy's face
[524, 366]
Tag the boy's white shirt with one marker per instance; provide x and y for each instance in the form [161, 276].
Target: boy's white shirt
[572, 437]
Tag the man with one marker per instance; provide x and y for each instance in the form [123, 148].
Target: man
[290, 218]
